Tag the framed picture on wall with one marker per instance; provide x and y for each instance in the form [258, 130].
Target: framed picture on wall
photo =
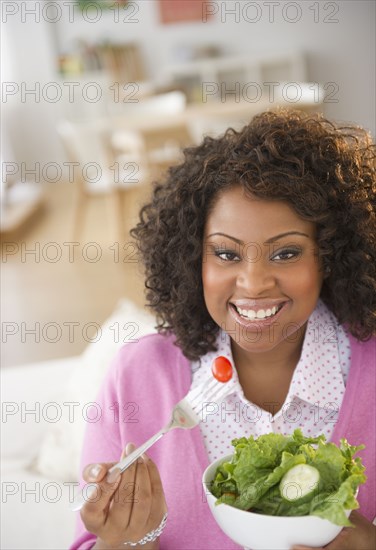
[179, 11]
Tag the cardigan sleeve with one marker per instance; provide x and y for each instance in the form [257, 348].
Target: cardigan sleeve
[102, 441]
[143, 384]
[128, 407]
[357, 418]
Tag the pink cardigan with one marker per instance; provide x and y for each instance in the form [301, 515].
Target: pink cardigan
[142, 385]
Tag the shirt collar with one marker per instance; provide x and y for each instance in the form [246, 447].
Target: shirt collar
[319, 365]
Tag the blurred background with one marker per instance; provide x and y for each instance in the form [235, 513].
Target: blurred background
[97, 99]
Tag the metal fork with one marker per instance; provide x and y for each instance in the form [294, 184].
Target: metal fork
[185, 414]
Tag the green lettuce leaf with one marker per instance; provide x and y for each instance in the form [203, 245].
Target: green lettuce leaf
[250, 481]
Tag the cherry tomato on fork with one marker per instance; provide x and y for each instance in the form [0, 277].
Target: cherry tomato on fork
[222, 369]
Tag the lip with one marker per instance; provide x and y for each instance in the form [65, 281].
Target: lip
[257, 323]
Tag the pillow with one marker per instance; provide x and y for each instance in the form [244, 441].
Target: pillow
[26, 391]
[60, 451]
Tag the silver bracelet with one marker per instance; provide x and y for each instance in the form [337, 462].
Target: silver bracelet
[152, 535]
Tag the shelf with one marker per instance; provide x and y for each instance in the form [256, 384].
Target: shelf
[224, 74]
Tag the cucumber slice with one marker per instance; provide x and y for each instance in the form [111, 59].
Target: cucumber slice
[299, 483]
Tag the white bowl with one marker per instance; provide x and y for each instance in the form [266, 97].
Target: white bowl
[261, 532]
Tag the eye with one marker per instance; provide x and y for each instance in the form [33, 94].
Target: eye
[286, 254]
[226, 255]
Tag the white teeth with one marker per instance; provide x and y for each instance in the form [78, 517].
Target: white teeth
[259, 314]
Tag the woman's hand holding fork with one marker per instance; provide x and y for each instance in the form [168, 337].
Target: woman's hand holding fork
[127, 510]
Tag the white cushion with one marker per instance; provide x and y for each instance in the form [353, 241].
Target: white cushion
[59, 455]
[30, 399]
[35, 511]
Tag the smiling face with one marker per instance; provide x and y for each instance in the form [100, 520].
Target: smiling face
[261, 274]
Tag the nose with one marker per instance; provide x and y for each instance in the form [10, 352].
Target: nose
[255, 278]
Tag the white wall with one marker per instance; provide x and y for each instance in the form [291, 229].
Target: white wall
[340, 44]
[27, 61]
[340, 50]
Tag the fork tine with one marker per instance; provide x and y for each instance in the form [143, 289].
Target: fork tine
[199, 393]
[210, 392]
[217, 394]
[200, 390]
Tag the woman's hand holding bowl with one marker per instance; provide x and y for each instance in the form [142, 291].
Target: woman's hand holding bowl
[360, 537]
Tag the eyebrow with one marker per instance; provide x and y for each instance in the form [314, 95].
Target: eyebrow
[271, 240]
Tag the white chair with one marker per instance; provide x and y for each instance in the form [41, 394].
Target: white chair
[159, 148]
[150, 128]
[88, 144]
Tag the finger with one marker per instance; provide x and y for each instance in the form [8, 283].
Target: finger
[142, 496]
[101, 490]
[112, 476]
[122, 504]
[97, 495]
[159, 506]
[95, 476]
[150, 504]
[129, 448]
[94, 472]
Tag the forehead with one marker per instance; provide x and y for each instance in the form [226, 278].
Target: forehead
[239, 214]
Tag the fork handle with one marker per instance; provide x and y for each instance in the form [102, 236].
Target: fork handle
[134, 455]
[122, 465]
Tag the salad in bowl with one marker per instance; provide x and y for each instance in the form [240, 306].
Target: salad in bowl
[275, 491]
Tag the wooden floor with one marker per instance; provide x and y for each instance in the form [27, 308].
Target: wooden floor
[53, 287]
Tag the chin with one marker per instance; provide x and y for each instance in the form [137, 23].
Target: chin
[258, 346]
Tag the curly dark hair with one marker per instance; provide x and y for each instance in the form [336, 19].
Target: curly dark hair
[324, 170]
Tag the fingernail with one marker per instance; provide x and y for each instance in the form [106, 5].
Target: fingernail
[95, 471]
[113, 476]
[130, 447]
[91, 491]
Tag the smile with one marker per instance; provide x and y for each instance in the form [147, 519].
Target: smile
[253, 314]
[250, 315]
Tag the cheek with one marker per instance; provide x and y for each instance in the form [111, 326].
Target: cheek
[214, 283]
[306, 281]
[209, 280]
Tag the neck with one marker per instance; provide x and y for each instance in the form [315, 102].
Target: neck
[265, 377]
